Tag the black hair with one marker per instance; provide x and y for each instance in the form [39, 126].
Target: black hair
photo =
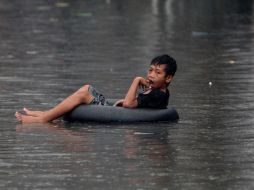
[167, 60]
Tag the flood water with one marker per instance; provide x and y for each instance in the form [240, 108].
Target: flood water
[48, 49]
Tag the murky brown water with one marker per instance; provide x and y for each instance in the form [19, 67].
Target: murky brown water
[49, 49]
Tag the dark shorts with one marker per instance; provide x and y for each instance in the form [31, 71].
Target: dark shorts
[99, 99]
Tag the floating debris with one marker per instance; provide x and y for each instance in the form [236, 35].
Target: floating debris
[234, 50]
[140, 133]
[31, 52]
[43, 8]
[231, 62]
[53, 20]
[10, 56]
[194, 33]
[210, 83]
[85, 14]
[62, 4]
[35, 31]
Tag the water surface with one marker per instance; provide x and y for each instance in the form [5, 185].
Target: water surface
[49, 49]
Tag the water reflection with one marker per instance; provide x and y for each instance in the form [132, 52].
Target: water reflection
[95, 152]
[49, 49]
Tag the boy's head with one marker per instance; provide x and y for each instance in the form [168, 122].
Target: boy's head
[161, 71]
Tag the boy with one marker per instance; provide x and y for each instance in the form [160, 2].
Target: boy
[155, 95]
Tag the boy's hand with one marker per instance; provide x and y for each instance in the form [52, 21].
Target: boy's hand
[119, 103]
[143, 83]
[130, 100]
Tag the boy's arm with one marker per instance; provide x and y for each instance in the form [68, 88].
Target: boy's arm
[130, 100]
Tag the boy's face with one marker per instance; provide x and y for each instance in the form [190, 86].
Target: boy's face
[157, 76]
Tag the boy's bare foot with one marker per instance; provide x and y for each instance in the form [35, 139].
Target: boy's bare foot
[18, 116]
[27, 119]
[33, 113]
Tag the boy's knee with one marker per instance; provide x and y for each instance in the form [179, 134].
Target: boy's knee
[83, 93]
[83, 90]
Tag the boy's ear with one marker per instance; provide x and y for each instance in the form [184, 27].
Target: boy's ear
[169, 78]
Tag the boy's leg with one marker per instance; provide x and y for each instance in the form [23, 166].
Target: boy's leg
[33, 113]
[79, 97]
